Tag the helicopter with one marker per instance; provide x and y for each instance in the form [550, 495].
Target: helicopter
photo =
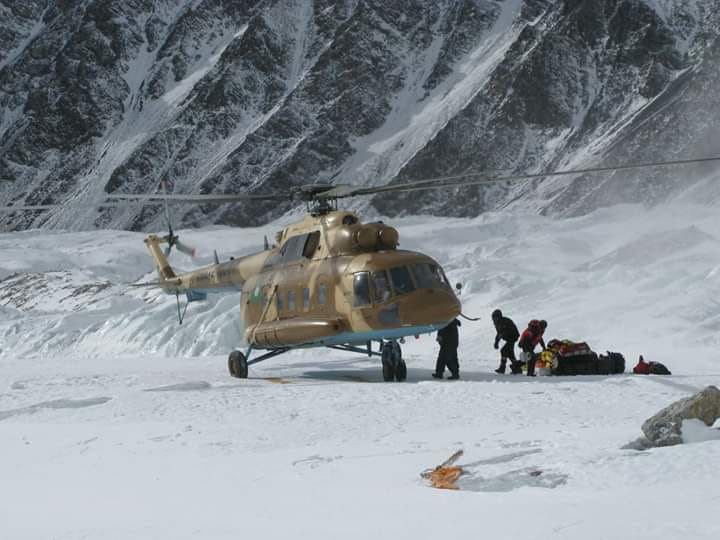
[329, 280]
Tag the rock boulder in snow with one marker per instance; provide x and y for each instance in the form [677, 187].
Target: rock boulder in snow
[665, 428]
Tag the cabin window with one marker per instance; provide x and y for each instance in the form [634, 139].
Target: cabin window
[311, 245]
[361, 289]
[322, 294]
[402, 282]
[424, 276]
[382, 286]
[279, 302]
[306, 299]
[291, 300]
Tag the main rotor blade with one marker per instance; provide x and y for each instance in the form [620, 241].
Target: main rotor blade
[345, 191]
[199, 199]
[28, 207]
[341, 191]
[141, 199]
[455, 181]
[35, 207]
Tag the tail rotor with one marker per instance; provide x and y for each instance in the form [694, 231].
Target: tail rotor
[172, 239]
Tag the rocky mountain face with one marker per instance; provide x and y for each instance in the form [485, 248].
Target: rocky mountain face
[226, 96]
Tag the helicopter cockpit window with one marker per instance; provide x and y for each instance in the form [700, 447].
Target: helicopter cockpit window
[440, 276]
[311, 244]
[424, 276]
[401, 280]
[361, 289]
[382, 286]
[293, 247]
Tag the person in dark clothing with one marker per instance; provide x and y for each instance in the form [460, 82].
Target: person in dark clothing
[531, 337]
[508, 332]
[448, 339]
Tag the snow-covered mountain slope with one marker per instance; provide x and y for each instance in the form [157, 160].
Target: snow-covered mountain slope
[226, 96]
[118, 423]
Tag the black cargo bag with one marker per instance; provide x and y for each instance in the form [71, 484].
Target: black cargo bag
[576, 364]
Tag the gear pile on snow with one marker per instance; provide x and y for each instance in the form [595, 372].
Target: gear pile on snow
[566, 357]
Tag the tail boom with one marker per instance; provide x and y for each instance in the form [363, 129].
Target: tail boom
[227, 276]
[161, 263]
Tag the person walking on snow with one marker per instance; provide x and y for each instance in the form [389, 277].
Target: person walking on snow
[507, 331]
[448, 339]
[530, 338]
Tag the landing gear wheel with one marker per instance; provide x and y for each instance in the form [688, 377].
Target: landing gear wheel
[388, 365]
[237, 365]
[394, 367]
[400, 370]
[400, 367]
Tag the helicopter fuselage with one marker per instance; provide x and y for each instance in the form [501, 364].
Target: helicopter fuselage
[329, 281]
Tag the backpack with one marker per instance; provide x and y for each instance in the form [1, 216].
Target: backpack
[642, 368]
[651, 368]
[656, 368]
[534, 325]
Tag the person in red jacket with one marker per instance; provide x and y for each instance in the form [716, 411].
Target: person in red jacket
[531, 338]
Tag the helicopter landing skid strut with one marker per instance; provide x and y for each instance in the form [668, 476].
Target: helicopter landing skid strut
[268, 355]
[393, 364]
[238, 362]
[350, 348]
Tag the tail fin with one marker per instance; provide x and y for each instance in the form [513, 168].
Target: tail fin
[163, 266]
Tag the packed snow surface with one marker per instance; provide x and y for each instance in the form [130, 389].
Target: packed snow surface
[116, 422]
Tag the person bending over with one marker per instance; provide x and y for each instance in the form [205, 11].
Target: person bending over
[531, 337]
[508, 332]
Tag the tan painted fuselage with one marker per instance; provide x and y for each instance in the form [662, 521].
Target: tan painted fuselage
[329, 281]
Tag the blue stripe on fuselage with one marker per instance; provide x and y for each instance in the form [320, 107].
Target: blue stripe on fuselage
[376, 335]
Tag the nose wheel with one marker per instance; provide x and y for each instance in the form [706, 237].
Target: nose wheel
[393, 365]
[237, 365]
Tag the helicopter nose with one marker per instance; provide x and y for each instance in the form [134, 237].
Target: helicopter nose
[433, 307]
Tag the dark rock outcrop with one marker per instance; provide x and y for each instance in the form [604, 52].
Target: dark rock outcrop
[99, 96]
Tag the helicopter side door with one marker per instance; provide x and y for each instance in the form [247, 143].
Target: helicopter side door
[291, 264]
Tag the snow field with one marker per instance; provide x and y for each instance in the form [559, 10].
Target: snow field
[117, 423]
